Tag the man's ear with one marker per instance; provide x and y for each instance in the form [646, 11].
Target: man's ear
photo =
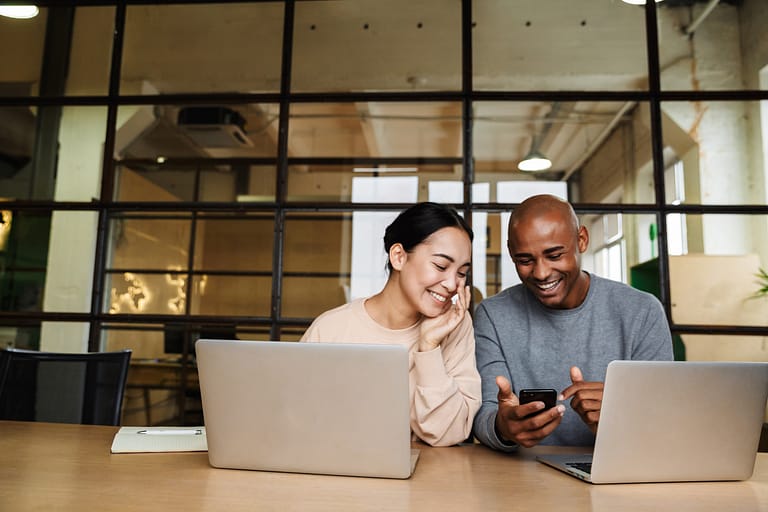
[583, 239]
[397, 256]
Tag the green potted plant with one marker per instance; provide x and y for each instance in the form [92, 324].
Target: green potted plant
[762, 282]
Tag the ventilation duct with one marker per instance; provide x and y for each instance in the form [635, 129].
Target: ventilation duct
[214, 127]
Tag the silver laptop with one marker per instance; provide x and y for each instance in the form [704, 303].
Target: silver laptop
[673, 422]
[325, 408]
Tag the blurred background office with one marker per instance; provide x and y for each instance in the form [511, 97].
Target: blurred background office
[179, 170]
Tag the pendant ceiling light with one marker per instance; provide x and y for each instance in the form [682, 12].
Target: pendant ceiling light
[534, 161]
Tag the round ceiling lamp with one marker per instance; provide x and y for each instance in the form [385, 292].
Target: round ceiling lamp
[20, 12]
[533, 162]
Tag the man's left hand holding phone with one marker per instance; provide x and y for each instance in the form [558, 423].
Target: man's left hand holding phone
[527, 419]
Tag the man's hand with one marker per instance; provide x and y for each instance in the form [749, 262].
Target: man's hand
[587, 398]
[511, 421]
[433, 331]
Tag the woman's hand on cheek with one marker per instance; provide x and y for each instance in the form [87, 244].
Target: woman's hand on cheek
[434, 330]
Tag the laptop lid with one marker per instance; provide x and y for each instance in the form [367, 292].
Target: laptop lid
[326, 408]
[679, 421]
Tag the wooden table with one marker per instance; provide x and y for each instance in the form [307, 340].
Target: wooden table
[56, 467]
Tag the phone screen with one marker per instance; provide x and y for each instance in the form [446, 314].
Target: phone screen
[548, 396]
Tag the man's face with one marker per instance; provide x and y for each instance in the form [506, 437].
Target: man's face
[547, 255]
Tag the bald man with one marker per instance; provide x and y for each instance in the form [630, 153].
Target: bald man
[558, 329]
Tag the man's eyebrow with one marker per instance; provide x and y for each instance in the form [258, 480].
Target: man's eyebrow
[549, 250]
[554, 249]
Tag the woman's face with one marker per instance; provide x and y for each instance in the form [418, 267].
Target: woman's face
[432, 273]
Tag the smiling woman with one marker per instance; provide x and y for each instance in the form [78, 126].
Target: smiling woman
[423, 306]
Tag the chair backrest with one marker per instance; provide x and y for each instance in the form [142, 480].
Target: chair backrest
[85, 388]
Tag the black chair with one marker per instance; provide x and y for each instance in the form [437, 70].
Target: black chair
[52, 387]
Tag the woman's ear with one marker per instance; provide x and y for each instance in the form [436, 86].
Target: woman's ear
[397, 256]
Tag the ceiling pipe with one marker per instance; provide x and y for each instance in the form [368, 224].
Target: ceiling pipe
[551, 115]
[690, 29]
[534, 160]
[599, 140]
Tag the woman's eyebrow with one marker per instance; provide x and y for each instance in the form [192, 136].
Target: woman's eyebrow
[450, 258]
[441, 255]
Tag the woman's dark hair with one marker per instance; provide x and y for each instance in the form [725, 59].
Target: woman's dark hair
[417, 223]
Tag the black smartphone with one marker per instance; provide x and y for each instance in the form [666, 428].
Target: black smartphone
[548, 396]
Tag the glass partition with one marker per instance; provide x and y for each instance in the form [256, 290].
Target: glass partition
[711, 46]
[375, 129]
[558, 45]
[20, 73]
[715, 267]
[186, 48]
[51, 153]
[601, 149]
[317, 264]
[398, 45]
[715, 152]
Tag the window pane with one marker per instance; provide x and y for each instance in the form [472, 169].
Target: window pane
[375, 129]
[398, 45]
[25, 336]
[153, 394]
[145, 340]
[204, 182]
[717, 282]
[20, 72]
[220, 295]
[700, 347]
[231, 244]
[601, 149]
[56, 335]
[91, 53]
[232, 47]
[559, 45]
[17, 151]
[726, 235]
[86, 31]
[723, 50]
[342, 183]
[51, 152]
[307, 297]
[143, 293]
[24, 240]
[317, 263]
[144, 242]
[719, 148]
[41, 269]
